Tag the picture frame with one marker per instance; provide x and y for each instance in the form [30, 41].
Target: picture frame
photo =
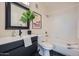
[37, 22]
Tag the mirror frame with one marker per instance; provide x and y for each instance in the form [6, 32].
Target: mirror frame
[8, 16]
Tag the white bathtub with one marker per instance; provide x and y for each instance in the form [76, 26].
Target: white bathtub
[63, 48]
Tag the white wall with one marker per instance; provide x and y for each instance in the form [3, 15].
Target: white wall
[62, 22]
[6, 33]
[3, 32]
[45, 21]
[64, 25]
[78, 20]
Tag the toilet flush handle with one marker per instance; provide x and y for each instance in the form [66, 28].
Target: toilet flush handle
[46, 34]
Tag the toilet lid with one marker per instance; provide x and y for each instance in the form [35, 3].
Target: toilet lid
[47, 45]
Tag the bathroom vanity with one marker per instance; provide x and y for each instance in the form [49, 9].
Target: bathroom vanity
[17, 48]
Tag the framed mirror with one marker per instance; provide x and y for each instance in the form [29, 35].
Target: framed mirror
[13, 13]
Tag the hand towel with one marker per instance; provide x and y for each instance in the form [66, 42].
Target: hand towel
[27, 41]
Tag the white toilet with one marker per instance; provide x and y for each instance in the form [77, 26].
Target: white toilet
[44, 47]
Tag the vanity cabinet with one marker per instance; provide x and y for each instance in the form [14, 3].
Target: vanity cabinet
[17, 48]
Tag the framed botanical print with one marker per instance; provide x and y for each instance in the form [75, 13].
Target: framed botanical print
[37, 22]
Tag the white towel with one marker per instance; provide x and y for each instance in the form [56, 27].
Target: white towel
[27, 41]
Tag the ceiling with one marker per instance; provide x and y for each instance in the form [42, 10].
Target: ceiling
[56, 4]
[53, 6]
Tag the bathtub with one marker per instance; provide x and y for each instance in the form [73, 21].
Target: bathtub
[65, 49]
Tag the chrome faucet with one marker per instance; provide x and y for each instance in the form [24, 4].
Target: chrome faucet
[20, 32]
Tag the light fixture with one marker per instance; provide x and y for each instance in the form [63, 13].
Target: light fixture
[26, 3]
